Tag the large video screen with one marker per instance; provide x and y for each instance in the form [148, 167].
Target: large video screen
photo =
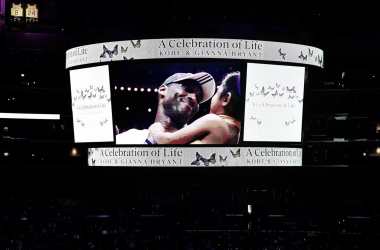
[181, 111]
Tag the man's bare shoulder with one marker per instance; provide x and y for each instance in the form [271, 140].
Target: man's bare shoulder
[132, 136]
[212, 120]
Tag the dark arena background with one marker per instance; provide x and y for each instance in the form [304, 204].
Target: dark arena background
[299, 178]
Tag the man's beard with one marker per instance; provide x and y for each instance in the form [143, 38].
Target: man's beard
[178, 111]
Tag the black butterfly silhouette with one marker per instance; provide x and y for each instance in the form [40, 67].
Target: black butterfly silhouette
[290, 97]
[251, 94]
[293, 121]
[208, 161]
[101, 96]
[263, 90]
[197, 161]
[300, 101]
[94, 95]
[124, 50]
[82, 123]
[302, 57]
[237, 154]
[109, 52]
[274, 95]
[125, 59]
[270, 88]
[93, 162]
[320, 61]
[256, 87]
[278, 85]
[91, 86]
[281, 95]
[287, 123]
[86, 90]
[221, 158]
[281, 54]
[311, 53]
[101, 90]
[259, 122]
[247, 100]
[253, 118]
[89, 96]
[137, 44]
[265, 94]
[109, 99]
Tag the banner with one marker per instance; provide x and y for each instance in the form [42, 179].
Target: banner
[194, 48]
[194, 157]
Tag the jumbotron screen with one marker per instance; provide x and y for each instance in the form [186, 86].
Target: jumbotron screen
[190, 102]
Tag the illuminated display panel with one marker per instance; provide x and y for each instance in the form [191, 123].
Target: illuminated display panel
[91, 104]
[274, 103]
[270, 98]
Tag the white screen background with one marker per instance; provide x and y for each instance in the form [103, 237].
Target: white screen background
[92, 116]
[274, 103]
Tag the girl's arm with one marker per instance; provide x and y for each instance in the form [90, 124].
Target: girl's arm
[200, 128]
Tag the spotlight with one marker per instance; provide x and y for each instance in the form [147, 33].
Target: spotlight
[155, 90]
[6, 154]
[142, 89]
[74, 152]
[135, 89]
[22, 75]
[121, 88]
[378, 150]
[148, 90]
[149, 110]
[127, 108]
[13, 98]
[129, 88]
[115, 87]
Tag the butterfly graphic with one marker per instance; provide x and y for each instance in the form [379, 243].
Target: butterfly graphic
[275, 94]
[124, 50]
[256, 87]
[316, 59]
[101, 96]
[263, 90]
[91, 87]
[247, 100]
[287, 123]
[311, 53]
[82, 123]
[125, 59]
[281, 95]
[101, 90]
[197, 161]
[259, 122]
[281, 54]
[109, 52]
[77, 91]
[290, 97]
[293, 121]
[271, 88]
[78, 120]
[251, 94]
[101, 123]
[300, 101]
[94, 95]
[320, 61]
[302, 57]
[253, 118]
[89, 96]
[278, 85]
[137, 44]
[221, 159]
[75, 98]
[237, 154]
[86, 90]
[265, 94]
[208, 161]
[93, 162]
[109, 99]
